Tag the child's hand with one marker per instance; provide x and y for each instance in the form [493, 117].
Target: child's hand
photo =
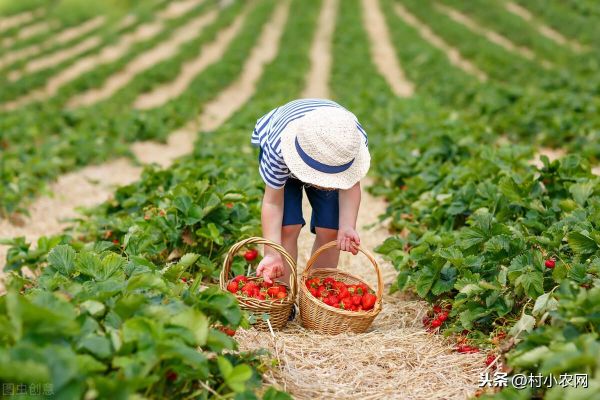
[270, 267]
[348, 240]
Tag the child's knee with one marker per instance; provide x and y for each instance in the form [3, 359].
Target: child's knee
[326, 234]
[290, 232]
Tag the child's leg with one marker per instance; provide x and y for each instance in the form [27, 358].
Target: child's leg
[329, 258]
[324, 223]
[289, 241]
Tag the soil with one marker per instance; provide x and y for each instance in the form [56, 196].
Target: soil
[452, 53]
[239, 92]
[382, 49]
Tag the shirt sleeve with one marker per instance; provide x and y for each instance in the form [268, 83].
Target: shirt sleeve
[273, 169]
[260, 132]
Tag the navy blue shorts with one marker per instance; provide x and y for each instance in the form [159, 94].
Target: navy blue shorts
[324, 203]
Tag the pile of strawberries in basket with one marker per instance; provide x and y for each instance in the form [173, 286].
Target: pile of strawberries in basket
[256, 288]
[340, 295]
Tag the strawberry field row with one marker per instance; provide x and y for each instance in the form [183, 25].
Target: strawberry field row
[511, 249]
[190, 213]
[577, 20]
[522, 100]
[93, 134]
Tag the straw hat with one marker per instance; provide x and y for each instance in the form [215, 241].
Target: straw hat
[325, 148]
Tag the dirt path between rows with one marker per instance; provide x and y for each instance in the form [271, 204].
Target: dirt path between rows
[396, 358]
[382, 49]
[80, 66]
[106, 55]
[491, 35]
[209, 54]
[451, 52]
[61, 38]
[239, 92]
[12, 21]
[317, 80]
[46, 62]
[29, 31]
[544, 29]
[161, 52]
[95, 184]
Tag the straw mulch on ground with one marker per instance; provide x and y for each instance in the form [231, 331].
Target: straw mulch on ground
[395, 359]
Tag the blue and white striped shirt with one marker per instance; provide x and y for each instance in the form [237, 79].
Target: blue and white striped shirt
[267, 135]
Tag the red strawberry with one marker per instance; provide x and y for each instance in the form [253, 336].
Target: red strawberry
[115, 242]
[356, 299]
[490, 359]
[463, 348]
[368, 301]
[229, 205]
[272, 291]
[171, 376]
[241, 278]
[362, 288]
[314, 282]
[264, 284]
[443, 316]
[329, 281]
[233, 286]
[437, 309]
[343, 293]
[333, 299]
[550, 263]
[281, 295]
[426, 321]
[320, 290]
[227, 331]
[313, 291]
[347, 303]
[436, 323]
[250, 255]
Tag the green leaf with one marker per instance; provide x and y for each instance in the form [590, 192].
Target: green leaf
[62, 259]
[532, 283]
[224, 366]
[582, 191]
[543, 304]
[195, 321]
[188, 260]
[93, 307]
[273, 394]
[530, 358]
[97, 345]
[525, 324]
[582, 244]
[425, 281]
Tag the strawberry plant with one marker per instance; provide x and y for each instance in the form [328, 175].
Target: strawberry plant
[113, 325]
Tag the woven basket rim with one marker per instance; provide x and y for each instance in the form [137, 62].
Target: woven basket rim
[226, 269]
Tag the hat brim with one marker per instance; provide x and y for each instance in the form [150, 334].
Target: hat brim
[306, 174]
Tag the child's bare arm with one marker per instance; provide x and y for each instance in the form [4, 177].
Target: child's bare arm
[271, 266]
[348, 238]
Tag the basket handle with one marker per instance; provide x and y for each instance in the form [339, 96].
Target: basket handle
[224, 276]
[327, 246]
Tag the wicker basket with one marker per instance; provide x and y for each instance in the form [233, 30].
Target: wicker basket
[278, 311]
[322, 318]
